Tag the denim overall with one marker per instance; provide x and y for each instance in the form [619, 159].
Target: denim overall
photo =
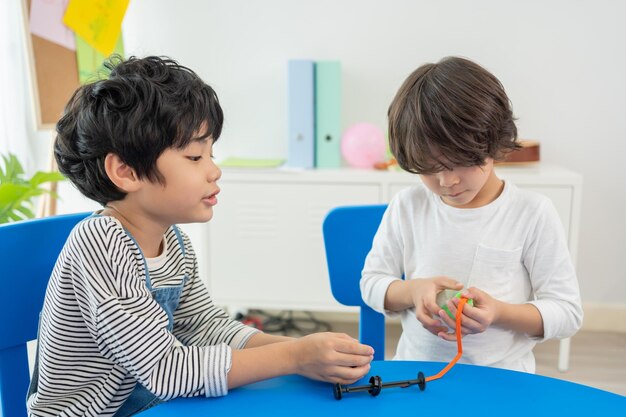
[140, 398]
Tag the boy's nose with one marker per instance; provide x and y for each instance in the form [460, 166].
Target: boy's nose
[214, 172]
[448, 179]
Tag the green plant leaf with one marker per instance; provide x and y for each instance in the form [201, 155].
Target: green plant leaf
[16, 192]
[11, 193]
[27, 213]
[42, 177]
[13, 170]
[14, 217]
[21, 200]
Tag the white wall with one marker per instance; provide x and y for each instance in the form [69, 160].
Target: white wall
[562, 63]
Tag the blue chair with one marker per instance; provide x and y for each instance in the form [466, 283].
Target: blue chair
[28, 252]
[348, 234]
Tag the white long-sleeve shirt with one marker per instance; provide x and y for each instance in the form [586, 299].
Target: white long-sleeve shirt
[513, 248]
[101, 331]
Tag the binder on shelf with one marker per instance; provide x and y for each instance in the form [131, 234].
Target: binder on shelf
[327, 114]
[301, 110]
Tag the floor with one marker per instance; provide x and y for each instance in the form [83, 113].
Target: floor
[597, 359]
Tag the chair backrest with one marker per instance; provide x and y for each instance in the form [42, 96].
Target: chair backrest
[348, 234]
[28, 252]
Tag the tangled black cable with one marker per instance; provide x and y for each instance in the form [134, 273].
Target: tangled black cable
[287, 323]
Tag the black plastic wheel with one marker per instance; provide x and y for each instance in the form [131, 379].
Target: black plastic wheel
[421, 381]
[376, 385]
[337, 391]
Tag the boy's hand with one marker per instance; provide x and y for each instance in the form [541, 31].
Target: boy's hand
[332, 357]
[475, 319]
[424, 293]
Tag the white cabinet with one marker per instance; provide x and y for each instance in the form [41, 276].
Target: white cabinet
[265, 247]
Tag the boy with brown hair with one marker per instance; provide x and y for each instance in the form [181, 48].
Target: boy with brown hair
[464, 229]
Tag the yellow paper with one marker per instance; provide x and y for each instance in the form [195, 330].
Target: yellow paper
[98, 22]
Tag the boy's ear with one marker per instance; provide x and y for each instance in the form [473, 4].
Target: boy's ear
[120, 174]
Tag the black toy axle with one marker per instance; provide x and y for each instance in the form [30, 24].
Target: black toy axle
[376, 385]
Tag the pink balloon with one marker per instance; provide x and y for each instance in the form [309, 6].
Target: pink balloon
[363, 145]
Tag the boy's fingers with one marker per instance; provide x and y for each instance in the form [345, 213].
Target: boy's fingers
[471, 313]
[431, 306]
[437, 330]
[473, 324]
[348, 375]
[446, 319]
[450, 337]
[470, 322]
[425, 316]
[429, 322]
[433, 325]
[345, 359]
[475, 294]
[354, 348]
[445, 282]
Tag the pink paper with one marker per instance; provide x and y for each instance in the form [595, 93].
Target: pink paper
[46, 21]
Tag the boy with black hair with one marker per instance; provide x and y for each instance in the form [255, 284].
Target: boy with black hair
[127, 322]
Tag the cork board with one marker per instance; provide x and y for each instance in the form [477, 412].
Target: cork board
[53, 73]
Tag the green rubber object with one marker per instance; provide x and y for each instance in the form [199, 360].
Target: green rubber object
[445, 308]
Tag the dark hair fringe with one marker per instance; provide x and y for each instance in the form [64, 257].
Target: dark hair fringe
[452, 113]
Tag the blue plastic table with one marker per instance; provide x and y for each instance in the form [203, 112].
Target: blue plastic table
[464, 391]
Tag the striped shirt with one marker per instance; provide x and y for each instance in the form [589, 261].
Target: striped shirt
[101, 331]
